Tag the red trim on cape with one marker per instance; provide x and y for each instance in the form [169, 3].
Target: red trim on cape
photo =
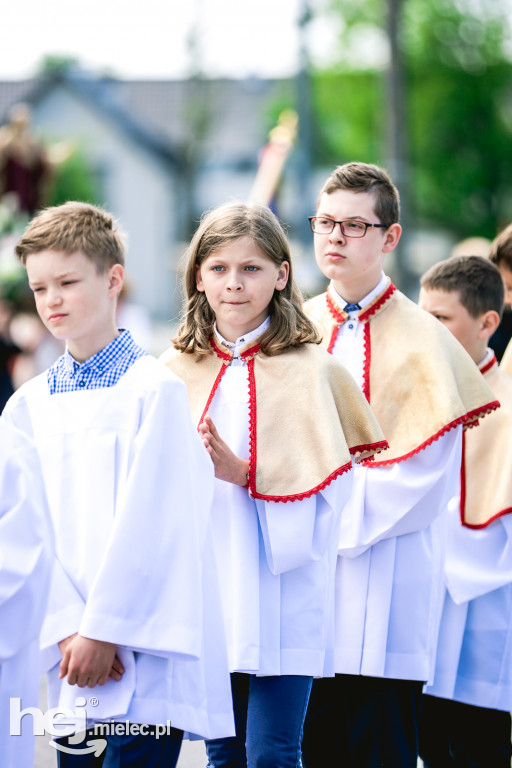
[462, 505]
[212, 393]
[479, 526]
[462, 502]
[223, 355]
[251, 352]
[383, 445]
[334, 336]
[367, 361]
[340, 317]
[487, 367]
[467, 420]
[306, 494]
[249, 355]
[373, 308]
[253, 447]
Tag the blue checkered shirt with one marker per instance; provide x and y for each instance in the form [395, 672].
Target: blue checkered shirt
[104, 369]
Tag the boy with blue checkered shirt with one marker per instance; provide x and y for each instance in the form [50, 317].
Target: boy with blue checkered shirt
[129, 488]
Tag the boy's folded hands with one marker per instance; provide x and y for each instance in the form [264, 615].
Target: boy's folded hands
[88, 662]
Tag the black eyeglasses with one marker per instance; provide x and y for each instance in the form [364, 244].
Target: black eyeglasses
[322, 226]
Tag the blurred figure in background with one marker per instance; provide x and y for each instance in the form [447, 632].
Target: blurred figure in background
[8, 354]
[24, 166]
[501, 255]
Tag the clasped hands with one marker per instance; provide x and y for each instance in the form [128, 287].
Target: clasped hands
[88, 662]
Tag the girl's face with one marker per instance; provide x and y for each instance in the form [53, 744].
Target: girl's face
[239, 281]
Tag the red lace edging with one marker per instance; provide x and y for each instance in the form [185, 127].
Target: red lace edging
[334, 336]
[366, 314]
[383, 445]
[337, 315]
[219, 352]
[251, 352]
[253, 449]
[465, 420]
[212, 393]
[306, 494]
[367, 361]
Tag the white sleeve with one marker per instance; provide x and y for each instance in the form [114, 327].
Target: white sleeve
[402, 498]
[26, 543]
[477, 561]
[147, 595]
[63, 615]
[298, 532]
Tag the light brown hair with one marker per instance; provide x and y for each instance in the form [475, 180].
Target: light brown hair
[74, 227]
[362, 177]
[289, 325]
[501, 249]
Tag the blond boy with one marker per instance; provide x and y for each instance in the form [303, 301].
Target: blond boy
[129, 488]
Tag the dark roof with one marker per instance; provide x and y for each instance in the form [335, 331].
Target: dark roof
[226, 118]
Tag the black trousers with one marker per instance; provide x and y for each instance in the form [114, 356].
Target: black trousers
[456, 735]
[123, 751]
[362, 722]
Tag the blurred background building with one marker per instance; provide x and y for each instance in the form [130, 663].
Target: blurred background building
[422, 87]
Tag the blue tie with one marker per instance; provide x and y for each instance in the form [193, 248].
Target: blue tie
[351, 307]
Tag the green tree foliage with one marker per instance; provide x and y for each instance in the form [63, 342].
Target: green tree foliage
[72, 179]
[457, 56]
[56, 64]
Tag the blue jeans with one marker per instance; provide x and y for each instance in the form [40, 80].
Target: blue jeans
[269, 718]
[126, 751]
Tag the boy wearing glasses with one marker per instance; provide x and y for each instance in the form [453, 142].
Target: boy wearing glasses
[425, 390]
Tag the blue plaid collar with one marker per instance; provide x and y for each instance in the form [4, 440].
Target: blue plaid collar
[104, 369]
[102, 360]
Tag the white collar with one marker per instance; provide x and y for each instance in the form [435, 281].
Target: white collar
[366, 299]
[242, 340]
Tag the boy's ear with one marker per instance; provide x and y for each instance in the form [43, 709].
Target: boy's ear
[392, 237]
[489, 322]
[115, 279]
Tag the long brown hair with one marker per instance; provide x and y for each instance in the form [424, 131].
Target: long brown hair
[289, 325]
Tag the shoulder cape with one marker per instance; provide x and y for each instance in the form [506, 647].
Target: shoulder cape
[486, 483]
[418, 379]
[307, 416]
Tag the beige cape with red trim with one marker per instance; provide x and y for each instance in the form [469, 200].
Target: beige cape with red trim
[488, 457]
[310, 416]
[421, 380]
[506, 362]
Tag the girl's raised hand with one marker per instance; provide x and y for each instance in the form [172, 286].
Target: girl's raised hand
[228, 467]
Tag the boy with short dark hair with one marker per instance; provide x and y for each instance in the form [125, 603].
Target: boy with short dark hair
[129, 487]
[466, 710]
[424, 391]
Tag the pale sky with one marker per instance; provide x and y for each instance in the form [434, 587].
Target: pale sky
[149, 39]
